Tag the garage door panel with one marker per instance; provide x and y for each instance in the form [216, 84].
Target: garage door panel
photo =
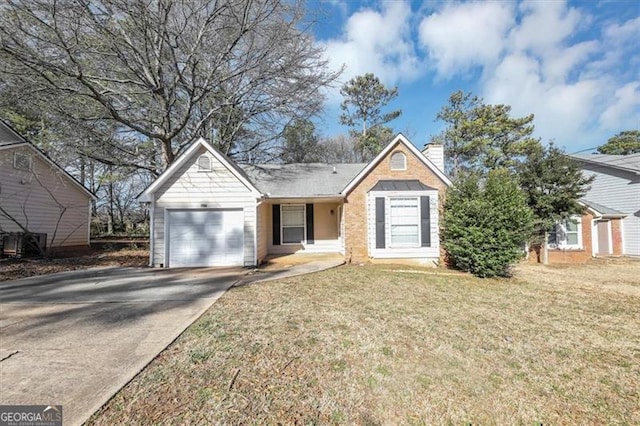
[205, 238]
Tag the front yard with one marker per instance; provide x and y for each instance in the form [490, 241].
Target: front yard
[391, 345]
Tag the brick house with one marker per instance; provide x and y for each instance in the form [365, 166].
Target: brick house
[207, 210]
[597, 232]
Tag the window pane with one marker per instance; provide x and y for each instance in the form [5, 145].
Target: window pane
[571, 226]
[572, 238]
[293, 235]
[404, 234]
[292, 216]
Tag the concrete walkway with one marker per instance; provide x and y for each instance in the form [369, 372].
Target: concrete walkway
[75, 338]
[271, 273]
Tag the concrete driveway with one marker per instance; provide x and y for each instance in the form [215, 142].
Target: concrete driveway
[75, 338]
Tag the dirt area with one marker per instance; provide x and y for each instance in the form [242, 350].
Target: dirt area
[379, 344]
[11, 269]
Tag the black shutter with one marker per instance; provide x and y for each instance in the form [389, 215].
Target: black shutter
[425, 221]
[309, 211]
[276, 224]
[380, 243]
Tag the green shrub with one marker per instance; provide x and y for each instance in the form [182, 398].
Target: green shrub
[486, 223]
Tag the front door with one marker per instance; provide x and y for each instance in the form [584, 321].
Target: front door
[603, 238]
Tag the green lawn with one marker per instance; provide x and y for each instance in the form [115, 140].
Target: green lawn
[388, 345]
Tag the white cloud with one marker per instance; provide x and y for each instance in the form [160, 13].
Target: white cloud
[378, 42]
[544, 26]
[466, 34]
[624, 110]
[536, 59]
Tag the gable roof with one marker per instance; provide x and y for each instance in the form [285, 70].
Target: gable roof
[399, 139]
[302, 180]
[145, 195]
[600, 210]
[10, 138]
[627, 163]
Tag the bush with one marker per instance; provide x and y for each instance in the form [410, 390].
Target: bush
[486, 223]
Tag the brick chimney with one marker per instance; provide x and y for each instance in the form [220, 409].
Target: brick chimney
[435, 153]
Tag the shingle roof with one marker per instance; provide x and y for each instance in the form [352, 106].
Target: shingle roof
[301, 180]
[603, 210]
[401, 185]
[630, 162]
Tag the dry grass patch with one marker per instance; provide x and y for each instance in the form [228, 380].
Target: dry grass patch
[367, 345]
[12, 269]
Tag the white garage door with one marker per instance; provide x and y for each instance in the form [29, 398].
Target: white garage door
[205, 238]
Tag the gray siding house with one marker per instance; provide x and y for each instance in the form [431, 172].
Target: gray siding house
[39, 196]
[616, 186]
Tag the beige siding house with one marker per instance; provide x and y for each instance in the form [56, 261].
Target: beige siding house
[208, 211]
[38, 196]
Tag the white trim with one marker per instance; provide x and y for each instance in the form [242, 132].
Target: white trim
[304, 227]
[145, 195]
[255, 232]
[610, 237]
[399, 139]
[594, 237]
[152, 239]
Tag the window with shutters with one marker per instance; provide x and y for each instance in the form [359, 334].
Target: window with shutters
[398, 161]
[404, 215]
[292, 223]
[204, 163]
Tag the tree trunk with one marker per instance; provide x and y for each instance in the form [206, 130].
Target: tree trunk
[545, 249]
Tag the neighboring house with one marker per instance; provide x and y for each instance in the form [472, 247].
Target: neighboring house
[208, 211]
[616, 188]
[597, 232]
[39, 196]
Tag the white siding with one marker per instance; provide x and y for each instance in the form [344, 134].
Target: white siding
[40, 198]
[621, 191]
[427, 253]
[215, 189]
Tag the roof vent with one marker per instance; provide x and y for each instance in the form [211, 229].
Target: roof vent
[334, 170]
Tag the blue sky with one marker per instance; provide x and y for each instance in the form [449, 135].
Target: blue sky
[574, 64]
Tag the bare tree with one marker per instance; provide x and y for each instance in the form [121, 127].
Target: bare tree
[149, 77]
[340, 149]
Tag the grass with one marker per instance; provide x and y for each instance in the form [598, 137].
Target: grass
[372, 345]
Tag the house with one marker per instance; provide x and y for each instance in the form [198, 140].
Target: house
[39, 197]
[597, 232]
[208, 211]
[616, 188]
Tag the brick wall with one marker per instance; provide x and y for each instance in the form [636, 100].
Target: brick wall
[616, 236]
[355, 206]
[568, 256]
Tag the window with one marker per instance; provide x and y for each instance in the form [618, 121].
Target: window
[21, 161]
[204, 163]
[398, 161]
[405, 222]
[566, 234]
[292, 223]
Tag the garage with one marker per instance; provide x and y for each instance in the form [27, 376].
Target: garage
[205, 237]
